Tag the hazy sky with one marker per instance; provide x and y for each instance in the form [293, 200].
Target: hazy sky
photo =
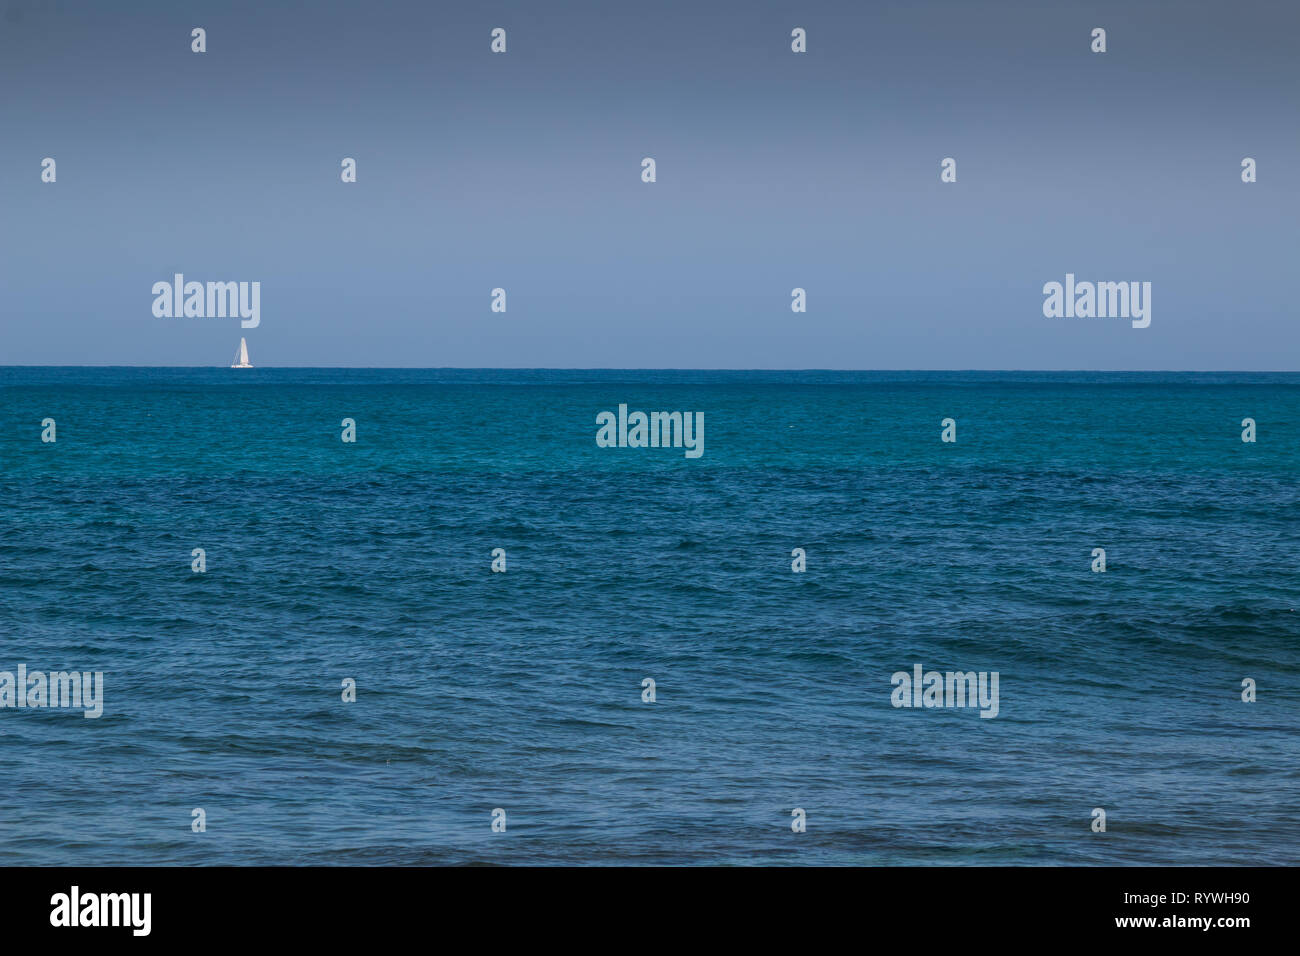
[775, 170]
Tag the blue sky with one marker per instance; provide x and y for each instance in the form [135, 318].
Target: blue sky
[775, 170]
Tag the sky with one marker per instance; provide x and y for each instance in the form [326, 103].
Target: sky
[775, 170]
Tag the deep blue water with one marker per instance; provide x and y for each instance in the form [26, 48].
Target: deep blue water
[522, 690]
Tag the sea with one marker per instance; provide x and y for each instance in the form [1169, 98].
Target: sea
[506, 717]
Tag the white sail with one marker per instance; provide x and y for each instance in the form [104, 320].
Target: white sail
[241, 358]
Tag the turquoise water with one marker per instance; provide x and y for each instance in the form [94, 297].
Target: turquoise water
[522, 690]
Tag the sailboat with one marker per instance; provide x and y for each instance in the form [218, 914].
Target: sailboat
[241, 357]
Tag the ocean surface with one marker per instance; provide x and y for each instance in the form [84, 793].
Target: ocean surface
[523, 690]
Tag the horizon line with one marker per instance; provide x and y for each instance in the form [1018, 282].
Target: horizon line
[602, 368]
